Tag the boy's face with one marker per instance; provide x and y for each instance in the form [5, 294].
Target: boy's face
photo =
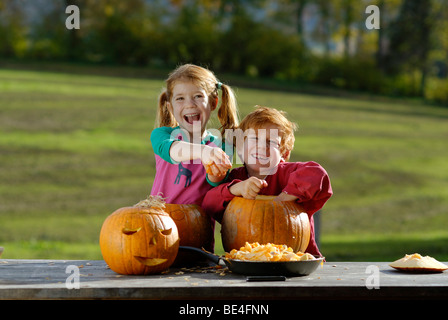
[261, 150]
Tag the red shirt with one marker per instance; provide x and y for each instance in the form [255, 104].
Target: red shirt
[308, 181]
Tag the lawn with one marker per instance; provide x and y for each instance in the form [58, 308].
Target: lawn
[75, 147]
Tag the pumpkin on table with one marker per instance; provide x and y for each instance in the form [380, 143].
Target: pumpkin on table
[194, 227]
[142, 239]
[265, 221]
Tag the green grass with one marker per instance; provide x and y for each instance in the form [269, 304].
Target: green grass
[75, 147]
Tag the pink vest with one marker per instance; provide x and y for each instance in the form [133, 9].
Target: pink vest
[182, 183]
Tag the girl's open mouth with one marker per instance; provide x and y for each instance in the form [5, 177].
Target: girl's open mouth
[190, 118]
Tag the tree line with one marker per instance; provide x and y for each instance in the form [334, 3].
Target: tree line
[323, 42]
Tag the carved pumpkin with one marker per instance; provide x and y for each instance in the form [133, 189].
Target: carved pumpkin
[142, 239]
[265, 221]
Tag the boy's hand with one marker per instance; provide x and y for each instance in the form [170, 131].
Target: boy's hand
[248, 188]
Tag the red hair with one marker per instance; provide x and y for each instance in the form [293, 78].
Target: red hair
[261, 116]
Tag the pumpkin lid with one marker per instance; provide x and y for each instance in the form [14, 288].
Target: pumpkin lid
[417, 262]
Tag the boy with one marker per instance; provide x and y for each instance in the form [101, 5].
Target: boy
[268, 141]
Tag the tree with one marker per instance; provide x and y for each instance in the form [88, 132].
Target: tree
[12, 29]
[74, 39]
[410, 40]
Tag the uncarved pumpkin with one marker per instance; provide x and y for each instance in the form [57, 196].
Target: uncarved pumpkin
[142, 239]
[265, 221]
[195, 229]
[193, 224]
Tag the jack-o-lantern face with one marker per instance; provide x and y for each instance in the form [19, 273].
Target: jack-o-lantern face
[139, 240]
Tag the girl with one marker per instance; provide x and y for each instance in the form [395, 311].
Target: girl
[185, 107]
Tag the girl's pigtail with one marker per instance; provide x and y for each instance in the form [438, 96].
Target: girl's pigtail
[164, 116]
[228, 111]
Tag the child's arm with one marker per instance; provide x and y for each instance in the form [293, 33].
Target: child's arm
[161, 142]
[173, 150]
[217, 199]
[310, 185]
[285, 197]
[214, 159]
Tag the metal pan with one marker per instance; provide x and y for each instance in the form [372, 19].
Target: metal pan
[262, 268]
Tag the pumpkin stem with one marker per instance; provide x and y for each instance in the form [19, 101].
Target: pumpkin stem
[155, 202]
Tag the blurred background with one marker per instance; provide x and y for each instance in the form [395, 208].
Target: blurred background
[77, 107]
[313, 42]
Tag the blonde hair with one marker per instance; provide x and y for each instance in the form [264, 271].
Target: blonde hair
[261, 116]
[204, 78]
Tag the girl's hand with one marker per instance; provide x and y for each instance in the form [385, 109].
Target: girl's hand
[215, 161]
[216, 170]
[248, 188]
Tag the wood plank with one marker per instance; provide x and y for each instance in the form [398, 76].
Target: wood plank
[46, 279]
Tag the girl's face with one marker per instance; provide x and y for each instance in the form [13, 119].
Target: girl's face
[191, 106]
[261, 151]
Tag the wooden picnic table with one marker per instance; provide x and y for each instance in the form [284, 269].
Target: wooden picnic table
[56, 279]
